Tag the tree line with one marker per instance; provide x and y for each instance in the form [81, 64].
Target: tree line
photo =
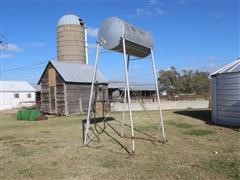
[184, 82]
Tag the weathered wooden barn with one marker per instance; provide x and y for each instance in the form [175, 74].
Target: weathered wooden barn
[65, 87]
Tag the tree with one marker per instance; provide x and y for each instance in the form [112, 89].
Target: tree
[201, 83]
[186, 82]
[169, 80]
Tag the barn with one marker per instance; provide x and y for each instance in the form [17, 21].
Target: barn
[14, 94]
[226, 94]
[65, 87]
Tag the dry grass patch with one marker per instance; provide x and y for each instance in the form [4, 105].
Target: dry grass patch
[52, 149]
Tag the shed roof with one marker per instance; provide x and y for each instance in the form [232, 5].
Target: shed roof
[230, 68]
[16, 86]
[133, 86]
[76, 72]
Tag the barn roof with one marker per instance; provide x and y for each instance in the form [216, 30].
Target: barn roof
[76, 72]
[230, 68]
[16, 86]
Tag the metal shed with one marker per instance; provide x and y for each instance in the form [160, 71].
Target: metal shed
[226, 94]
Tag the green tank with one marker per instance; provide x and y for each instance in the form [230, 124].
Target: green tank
[35, 114]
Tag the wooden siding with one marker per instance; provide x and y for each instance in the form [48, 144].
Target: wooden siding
[53, 100]
[74, 92]
[227, 104]
[52, 77]
[45, 101]
[80, 93]
[63, 98]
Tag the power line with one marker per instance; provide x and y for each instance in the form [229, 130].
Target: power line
[27, 66]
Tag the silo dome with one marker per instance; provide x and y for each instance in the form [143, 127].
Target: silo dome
[69, 19]
[71, 39]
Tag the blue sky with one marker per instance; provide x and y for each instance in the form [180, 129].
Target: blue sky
[192, 34]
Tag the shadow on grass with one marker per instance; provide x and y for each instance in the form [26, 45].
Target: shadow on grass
[202, 115]
[104, 130]
[97, 130]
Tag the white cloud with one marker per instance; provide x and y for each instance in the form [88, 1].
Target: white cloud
[93, 32]
[156, 11]
[143, 12]
[211, 67]
[6, 56]
[153, 9]
[11, 47]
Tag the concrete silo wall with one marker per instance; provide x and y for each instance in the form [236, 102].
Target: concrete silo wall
[71, 43]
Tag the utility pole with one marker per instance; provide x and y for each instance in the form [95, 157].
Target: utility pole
[3, 45]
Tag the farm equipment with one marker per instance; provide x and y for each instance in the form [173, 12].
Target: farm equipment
[30, 114]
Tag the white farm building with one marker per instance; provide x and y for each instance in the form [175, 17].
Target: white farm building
[14, 94]
[226, 95]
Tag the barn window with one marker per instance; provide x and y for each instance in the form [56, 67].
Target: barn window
[16, 95]
[29, 95]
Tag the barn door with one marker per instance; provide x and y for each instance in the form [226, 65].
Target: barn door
[52, 90]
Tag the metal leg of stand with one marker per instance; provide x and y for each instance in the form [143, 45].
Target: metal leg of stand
[158, 98]
[123, 115]
[91, 95]
[124, 101]
[128, 94]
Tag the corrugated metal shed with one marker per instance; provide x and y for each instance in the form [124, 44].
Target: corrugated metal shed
[134, 86]
[16, 86]
[77, 73]
[226, 94]
[230, 68]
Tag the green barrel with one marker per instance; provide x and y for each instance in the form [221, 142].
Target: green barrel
[19, 115]
[35, 114]
[26, 114]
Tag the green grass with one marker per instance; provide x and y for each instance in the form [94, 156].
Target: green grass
[229, 167]
[200, 132]
[181, 125]
[53, 149]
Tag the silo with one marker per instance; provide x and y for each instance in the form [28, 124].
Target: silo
[71, 39]
[226, 95]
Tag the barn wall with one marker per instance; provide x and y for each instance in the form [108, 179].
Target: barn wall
[60, 96]
[6, 100]
[228, 99]
[73, 94]
[80, 93]
[45, 100]
[52, 91]
[9, 101]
